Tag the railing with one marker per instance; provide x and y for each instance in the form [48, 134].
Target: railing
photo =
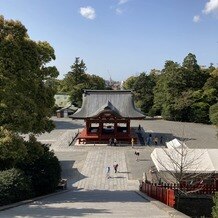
[166, 192]
[159, 193]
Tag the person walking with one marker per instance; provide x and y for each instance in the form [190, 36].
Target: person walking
[115, 142]
[149, 139]
[132, 142]
[115, 166]
[110, 141]
[108, 172]
[156, 140]
[161, 140]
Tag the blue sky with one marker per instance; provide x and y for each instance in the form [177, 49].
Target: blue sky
[120, 38]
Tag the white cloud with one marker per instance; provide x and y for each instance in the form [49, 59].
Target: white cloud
[121, 2]
[119, 11]
[118, 8]
[88, 12]
[196, 18]
[211, 7]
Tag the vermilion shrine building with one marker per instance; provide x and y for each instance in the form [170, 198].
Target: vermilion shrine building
[107, 114]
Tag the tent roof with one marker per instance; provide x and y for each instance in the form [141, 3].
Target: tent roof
[118, 102]
[196, 160]
[213, 153]
[175, 143]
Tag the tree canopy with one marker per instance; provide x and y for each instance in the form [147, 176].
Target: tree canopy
[184, 92]
[26, 99]
[27, 168]
[77, 80]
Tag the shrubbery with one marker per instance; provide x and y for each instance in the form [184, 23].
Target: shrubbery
[215, 207]
[214, 114]
[12, 149]
[37, 171]
[14, 186]
[42, 166]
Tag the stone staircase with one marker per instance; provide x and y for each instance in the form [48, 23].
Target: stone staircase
[95, 171]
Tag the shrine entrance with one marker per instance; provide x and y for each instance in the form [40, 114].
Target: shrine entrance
[104, 127]
[107, 115]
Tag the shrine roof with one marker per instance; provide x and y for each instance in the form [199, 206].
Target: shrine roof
[118, 102]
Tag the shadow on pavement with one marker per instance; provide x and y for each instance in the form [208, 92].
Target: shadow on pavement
[71, 174]
[74, 204]
[127, 172]
[60, 124]
[95, 195]
[162, 137]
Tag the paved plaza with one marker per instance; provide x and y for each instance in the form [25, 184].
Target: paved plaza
[195, 135]
[118, 204]
[90, 193]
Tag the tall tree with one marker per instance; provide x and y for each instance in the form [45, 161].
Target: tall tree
[143, 89]
[77, 73]
[77, 80]
[26, 99]
[129, 83]
[195, 77]
[167, 88]
[181, 93]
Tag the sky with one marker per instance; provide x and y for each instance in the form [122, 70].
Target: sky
[120, 38]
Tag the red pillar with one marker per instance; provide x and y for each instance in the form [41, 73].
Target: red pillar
[128, 127]
[115, 129]
[87, 126]
[100, 130]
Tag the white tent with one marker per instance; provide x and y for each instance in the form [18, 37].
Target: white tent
[194, 160]
[213, 153]
[175, 143]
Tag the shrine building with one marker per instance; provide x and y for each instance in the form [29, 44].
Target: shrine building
[107, 115]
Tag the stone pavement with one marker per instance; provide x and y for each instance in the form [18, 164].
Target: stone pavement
[90, 193]
[117, 204]
[95, 168]
[195, 135]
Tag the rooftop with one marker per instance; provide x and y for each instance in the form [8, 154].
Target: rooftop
[119, 103]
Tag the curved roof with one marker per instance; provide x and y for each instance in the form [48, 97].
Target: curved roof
[118, 102]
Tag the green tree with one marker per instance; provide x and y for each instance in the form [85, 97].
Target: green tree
[77, 80]
[12, 149]
[214, 114]
[129, 83]
[26, 100]
[215, 207]
[181, 93]
[78, 71]
[14, 186]
[212, 81]
[96, 82]
[143, 90]
[195, 77]
[167, 90]
[41, 166]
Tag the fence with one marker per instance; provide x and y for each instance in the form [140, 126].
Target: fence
[166, 192]
[165, 195]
